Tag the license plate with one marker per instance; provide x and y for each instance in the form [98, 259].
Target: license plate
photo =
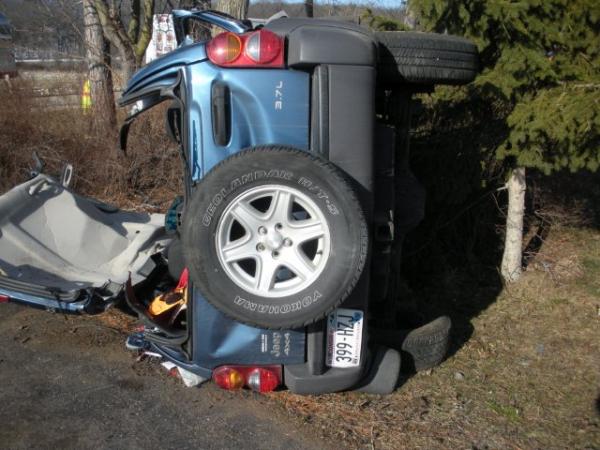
[344, 337]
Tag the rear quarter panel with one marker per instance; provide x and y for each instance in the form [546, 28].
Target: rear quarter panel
[267, 107]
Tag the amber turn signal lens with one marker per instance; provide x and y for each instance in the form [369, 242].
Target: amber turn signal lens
[228, 378]
[224, 48]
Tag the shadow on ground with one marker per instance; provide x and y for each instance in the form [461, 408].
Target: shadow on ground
[451, 260]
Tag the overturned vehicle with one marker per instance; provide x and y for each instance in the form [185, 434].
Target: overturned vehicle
[271, 268]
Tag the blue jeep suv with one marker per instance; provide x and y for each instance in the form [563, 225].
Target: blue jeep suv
[293, 137]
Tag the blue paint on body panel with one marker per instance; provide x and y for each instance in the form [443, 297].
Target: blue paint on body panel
[220, 340]
[267, 106]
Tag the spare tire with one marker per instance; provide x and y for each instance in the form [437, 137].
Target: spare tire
[426, 58]
[275, 237]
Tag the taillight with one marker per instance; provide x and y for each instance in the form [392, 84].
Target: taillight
[261, 48]
[224, 49]
[4, 299]
[228, 378]
[262, 380]
[257, 378]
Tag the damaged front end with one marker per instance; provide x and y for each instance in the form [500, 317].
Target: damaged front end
[65, 252]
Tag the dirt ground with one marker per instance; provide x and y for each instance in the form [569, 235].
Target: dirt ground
[68, 382]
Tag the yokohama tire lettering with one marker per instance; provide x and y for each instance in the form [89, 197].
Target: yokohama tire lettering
[278, 309]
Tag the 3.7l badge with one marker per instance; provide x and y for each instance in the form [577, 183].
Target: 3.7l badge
[279, 96]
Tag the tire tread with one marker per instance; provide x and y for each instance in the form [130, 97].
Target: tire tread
[428, 345]
[426, 58]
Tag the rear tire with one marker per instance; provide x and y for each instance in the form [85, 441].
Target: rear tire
[425, 58]
[421, 348]
[426, 347]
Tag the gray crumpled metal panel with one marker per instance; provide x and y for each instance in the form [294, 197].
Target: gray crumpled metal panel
[50, 236]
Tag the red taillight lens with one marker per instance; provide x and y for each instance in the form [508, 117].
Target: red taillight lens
[261, 48]
[4, 299]
[257, 378]
[262, 380]
[224, 48]
[228, 378]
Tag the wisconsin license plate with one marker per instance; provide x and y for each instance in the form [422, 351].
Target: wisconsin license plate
[344, 337]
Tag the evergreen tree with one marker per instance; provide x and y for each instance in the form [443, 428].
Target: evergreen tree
[541, 64]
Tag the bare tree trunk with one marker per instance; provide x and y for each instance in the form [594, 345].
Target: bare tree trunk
[144, 34]
[131, 42]
[513, 245]
[198, 4]
[331, 7]
[236, 8]
[98, 60]
[309, 8]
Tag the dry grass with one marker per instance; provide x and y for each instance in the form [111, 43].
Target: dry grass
[149, 177]
[528, 377]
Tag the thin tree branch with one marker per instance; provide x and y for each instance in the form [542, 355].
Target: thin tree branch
[145, 34]
[110, 31]
[134, 22]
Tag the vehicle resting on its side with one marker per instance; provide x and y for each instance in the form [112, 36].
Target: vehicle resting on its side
[293, 137]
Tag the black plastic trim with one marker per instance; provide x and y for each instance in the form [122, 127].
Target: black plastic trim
[352, 122]
[312, 42]
[221, 113]
[319, 115]
[315, 347]
[173, 122]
